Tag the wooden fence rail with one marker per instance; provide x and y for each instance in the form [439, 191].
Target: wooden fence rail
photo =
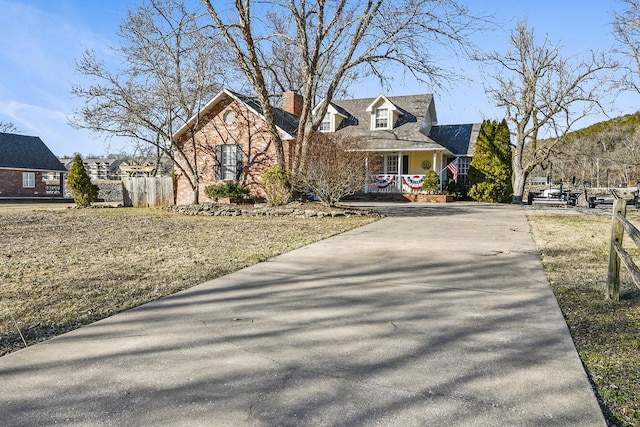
[620, 224]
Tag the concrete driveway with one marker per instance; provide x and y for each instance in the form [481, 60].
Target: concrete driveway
[439, 315]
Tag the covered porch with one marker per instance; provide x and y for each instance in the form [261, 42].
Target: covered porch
[404, 171]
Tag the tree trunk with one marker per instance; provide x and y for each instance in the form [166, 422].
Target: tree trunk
[519, 179]
[196, 191]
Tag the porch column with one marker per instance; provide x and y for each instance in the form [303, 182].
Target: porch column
[400, 171]
[366, 171]
[440, 167]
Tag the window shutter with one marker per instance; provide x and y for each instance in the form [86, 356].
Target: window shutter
[218, 168]
[238, 162]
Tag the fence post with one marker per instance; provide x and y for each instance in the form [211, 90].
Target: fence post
[617, 232]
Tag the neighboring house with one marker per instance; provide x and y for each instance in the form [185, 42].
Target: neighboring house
[98, 169]
[24, 161]
[231, 142]
[404, 132]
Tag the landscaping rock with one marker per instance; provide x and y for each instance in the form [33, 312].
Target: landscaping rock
[296, 210]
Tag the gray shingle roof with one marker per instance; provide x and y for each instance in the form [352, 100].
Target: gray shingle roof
[27, 152]
[460, 140]
[411, 131]
[283, 119]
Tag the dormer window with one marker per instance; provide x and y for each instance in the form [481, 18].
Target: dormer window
[325, 125]
[382, 118]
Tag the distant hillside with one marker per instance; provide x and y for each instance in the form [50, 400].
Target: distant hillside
[605, 154]
[626, 125]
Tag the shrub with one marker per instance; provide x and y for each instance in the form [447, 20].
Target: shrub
[274, 182]
[431, 182]
[456, 189]
[83, 191]
[335, 167]
[234, 191]
[491, 168]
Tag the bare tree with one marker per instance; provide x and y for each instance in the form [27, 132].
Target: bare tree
[336, 168]
[331, 42]
[626, 30]
[8, 127]
[544, 95]
[171, 69]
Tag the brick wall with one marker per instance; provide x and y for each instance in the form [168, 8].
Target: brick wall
[11, 185]
[246, 129]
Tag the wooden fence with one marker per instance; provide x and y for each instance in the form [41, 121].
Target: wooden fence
[620, 224]
[152, 192]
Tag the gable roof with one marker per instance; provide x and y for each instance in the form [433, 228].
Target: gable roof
[407, 131]
[27, 152]
[286, 122]
[415, 129]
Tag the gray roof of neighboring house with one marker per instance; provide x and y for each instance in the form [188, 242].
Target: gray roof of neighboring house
[27, 152]
[410, 131]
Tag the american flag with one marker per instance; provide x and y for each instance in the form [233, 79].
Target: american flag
[453, 168]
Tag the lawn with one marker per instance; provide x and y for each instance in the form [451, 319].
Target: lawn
[574, 248]
[63, 268]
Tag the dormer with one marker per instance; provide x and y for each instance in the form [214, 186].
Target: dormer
[383, 113]
[332, 118]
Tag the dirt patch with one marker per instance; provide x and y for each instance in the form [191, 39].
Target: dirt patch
[63, 268]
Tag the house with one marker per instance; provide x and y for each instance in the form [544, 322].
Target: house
[98, 168]
[231, 142]
[24, 162]
[403, 132]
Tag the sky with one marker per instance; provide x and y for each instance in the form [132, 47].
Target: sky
[40, 41]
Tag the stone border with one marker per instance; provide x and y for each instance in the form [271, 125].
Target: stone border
[291, 210]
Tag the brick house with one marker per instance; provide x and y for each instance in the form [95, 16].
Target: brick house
[231, 142]
[24, 162]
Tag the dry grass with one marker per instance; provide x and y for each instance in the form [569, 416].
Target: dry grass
[60, 269]
[574, 251]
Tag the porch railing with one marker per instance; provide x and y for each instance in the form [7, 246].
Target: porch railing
[395, 183]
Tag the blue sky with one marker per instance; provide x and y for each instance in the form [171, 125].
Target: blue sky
[41, 39]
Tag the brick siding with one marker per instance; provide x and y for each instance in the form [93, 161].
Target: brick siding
[247, 130]
[11, 185]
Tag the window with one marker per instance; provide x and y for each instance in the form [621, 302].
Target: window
[229, 117]
[228, 162]
[325, 125]
[28, 179]
[463, 169]
[382, 118]
[463, 165]
[391, 164]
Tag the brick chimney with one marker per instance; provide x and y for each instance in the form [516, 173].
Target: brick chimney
[292, 103]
